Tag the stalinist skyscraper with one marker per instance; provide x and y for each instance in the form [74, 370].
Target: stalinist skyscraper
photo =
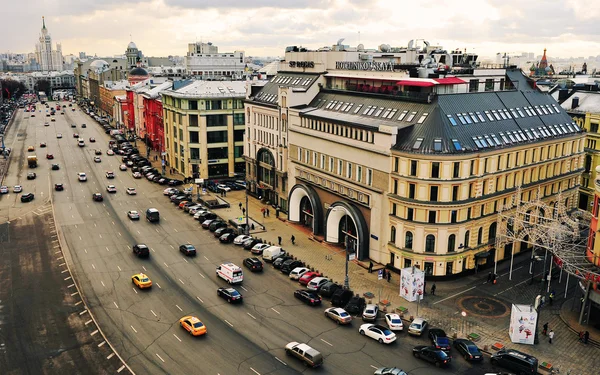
[49, 60]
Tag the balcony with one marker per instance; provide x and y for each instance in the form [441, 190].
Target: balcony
[388, 92]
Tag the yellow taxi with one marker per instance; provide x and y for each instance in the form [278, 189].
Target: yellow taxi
[141, 280]
[31, 148]
[193, 325]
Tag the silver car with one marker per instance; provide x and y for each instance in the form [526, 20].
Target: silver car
[417, 327]
[370, 312]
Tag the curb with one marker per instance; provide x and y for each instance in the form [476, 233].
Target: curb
[591, 341]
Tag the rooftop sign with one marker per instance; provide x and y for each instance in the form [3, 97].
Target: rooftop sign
[358, 65]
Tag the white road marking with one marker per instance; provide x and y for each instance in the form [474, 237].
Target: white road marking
[134, 330]
[60, 258]
[172, 247]
[180, 309]
[177, 337]
[181, 281]
[88, 322]
[276, 311]
[252, 316]
[175, 229]
[110, 355]
[243, 288]
[152, 249]
[78, 303]
[153, 313]
[62, 264]
[94, 267]
[158, 285]
[95, 225]
[102, 282]
[93, 333]
[74, 294]
[113, 223]
[70, 286]
[166, 264]
[256, 372]
[85, 250]
[228, 323]
[328, 343]
[454, 295]
[200, 299]
[185, 260]
[119, 233]
[156, 229]
[73, 216]
[205, 258]
[79, 238]
[83, 312]
[102, 343]
[120, 368]
[159, 357]
[100, 235]
[63, 271]
[134, 290]
[144, 268]
[280, 361]
[57, 252]
[67, 278]
[107, 248]
[375, 367]
[116, 304]
[119, 268]
[138, 232]
[201, 275]
[91, 215]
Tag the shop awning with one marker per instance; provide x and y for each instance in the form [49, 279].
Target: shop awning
[415, 83]
[483, 254]
[450, 81]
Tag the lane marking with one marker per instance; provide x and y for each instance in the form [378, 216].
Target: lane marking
[201, 275]
[375, 367]
[60, 258]
[159, 357]
[93, 333]
[180, 309]
[243, 288]
[135, 290]
[79, 238]
[102, 343]
[119, 268]
[200, 299]
[276, 311]
[256, 372]
[62, 264]
[156, 229]
[328, 343]
[95, 225]
[228, 323]
[116, 304]
[78, 303]
[85, 250]
[88, 322]
[113, 223]
[74, 294]
[153, 313]
[58, 252]
[172, 247]
[110, 355]
[107, 249]
[134, 330]
[177, 337]
[102, 282]
[70, 286]
[205, 257]
[185, 260]
[63, 271]
[454, 295]
[67, 278]
[252, 316]
[83, 312]
[144, 268]
[166, 264]
[152, 249]
[138, 232]
[175, 229]
[119, 233]
[100, 235]
[94, 267]
[158, 285]
[280, 361]
[181, 281]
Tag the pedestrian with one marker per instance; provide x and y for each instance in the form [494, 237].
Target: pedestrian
[586, 337]
[489, 277]
[545, 330]
[268, 212]
[389, 276]
[293, 240]
[550, 336]
[433, 287]
[252, 226]
[243, 211]
[424, 287]
[383, 273]
[264, 212]
[581, 334]
[240, 206]
[370, 266]
[551, 298]
[279, 240]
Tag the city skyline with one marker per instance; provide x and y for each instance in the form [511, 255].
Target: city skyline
[165, 27]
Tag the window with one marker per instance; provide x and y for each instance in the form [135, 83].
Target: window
[433, 193]
[340, 167]
[393, 234]
[217, 153]
[216, 120]
[451, 243]
[322, 162]
[422, 118]
[349, 170]
[413, 167]
[402, 115]
[395, 189]
[430, 243]
[437, 145]
[411, 191]
[479, 236]
[359, 173]
[369, 176]
[331, 165]
[194, 137]
[216, 137]
[432, 217]
[411, 116]
[410, 214]
[435, 170]
[452, 120]
[408, 240]
[467, 238]
[472, 169]
[489, 84]
[396, 164]
[417, 144]
[457, 145]
[299, 154]
[314, 159]
[456, 169]
[455, 193]
[238, 119]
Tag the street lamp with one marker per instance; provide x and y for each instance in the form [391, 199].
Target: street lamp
[346, 245]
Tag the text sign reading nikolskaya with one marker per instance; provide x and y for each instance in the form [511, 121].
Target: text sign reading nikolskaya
[358, 65]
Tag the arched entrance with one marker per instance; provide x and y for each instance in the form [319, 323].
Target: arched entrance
[345, 225]
[265, 175]
[305, 207]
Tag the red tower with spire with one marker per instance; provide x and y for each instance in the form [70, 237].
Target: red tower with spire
[544, 61]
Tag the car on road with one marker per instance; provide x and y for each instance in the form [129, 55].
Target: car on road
[75, 135]
[97, 197]
[394, 322]
[305, 353]
[92, 139]
[439, 339]
[81, 143]
[49, 156]
[298, 272]
[137, 175]
[307, 277]
[31, 176]
[377, 332]
[97, 159]
[31, 148]
[131, 191]
[110, 175]
[81, 176]
[389, 371]
[141, 280]
[42, 144]
[97, 152]
[417, 327]
[73, 125]
[370, 312]
[187, 249]
[240, 239]
[432, 354]
[17, 189]
[84, 126]
[253, 264]
[339, 315]
[468, 350]
[259, 248]
[193, 325]
[3, 189]
[59, 135]
[27, 197]
[231, 295]
[223, 187]
[122, 167]
[308, 296]
[141, 250]
[133, 215]
[46, 124]
[58, 187]
[110, 152]
[55, 167]
[52, 119]
[111, 189]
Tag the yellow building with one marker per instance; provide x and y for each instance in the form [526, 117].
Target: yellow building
[584, 108]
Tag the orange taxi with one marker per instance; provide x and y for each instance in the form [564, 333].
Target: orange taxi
[193, 325]
[141, 280]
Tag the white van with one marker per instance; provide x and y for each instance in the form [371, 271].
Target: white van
[317, 282]
[230, 273]
[271, 253]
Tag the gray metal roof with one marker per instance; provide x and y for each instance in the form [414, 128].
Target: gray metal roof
[268, 94]
[589, 101]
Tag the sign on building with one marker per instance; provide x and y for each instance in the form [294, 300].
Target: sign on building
[523, 319]
[412, 281]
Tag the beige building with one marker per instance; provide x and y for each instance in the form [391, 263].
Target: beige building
[204, 128]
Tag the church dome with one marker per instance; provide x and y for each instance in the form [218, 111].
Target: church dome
[138, 71]
[131, 45]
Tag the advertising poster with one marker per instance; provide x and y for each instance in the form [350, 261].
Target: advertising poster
[412, 281]
[522, 324]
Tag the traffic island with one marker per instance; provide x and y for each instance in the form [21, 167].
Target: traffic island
[546, 367]
[474, 337]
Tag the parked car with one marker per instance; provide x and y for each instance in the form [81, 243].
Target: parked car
[258, 248]
[432, 354]
[227, 237]
[223, 230]
[290, 265]
[249, 244]
[439, 339]
[468, 350]
[278, 262]
[328, 289]
[307, 277]
[297, 272]
[308, 297]
[389, 371]
[239, 240]
[417, 327]
[354, 304]
[515, 360]
[339, 315]
[217, 224]
[394, 322]
[370, 312]
[254, 264]
[377, 332]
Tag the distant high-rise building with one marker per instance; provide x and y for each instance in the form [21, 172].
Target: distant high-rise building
[49, 59]
[204, 61]
[81, 55]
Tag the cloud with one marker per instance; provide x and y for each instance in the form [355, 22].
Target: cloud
[249, 4]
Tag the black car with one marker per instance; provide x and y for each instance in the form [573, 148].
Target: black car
[249, 244]
[31, 176]
[156, 178]
[221, 231]
[327, 290]
[58, 187]
[468, 349]
[278, 263]
[355, 304]
[254, 264]
[432, 354]
[141, 250]
[216, 225]
[439, 339]
[230, 294]
[97, 197]
[308, 296]
[227, 237]
[290, 264]
[207, 216]
[175, 182]
[55, 167]
[187, 249]
[27, 197]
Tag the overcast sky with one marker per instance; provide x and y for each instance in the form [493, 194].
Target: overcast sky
[265, 27]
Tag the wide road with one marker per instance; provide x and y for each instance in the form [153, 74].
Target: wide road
[143, 325]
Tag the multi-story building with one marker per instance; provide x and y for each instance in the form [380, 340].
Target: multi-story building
[108, 91]
[204, 61]
[153, 113]
[401, 157]
[204, 128]
[584, 108]
[64, 79]
[49, 59]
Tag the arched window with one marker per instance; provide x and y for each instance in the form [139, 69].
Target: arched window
[393, 235]
[467, 239]
[430, 243]
[408, 240]
[451, 243]
[479, 236]
[492, 233]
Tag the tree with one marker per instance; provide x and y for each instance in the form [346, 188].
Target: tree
[12, 89]
[42, 85]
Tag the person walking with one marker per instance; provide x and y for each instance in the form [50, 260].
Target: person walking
[586, 337]
[243, 211]
[489, 277]
[293, 240]
[268, 212]
[550, 336]
[240, 206]
[433, 287]
[370, 266]
[545, 329]
[551, 297]
[279, 240]
[389, 276]
[581, 334]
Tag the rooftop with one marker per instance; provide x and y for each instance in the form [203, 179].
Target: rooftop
[210, 89]
[589, 101]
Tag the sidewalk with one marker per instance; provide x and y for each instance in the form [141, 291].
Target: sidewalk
[566, 352]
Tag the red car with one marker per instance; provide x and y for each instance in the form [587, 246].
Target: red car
[49, 156]
[307, 277]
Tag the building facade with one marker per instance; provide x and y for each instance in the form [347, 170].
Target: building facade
[49, 59]
[204, 128]
[204, 61]
[57, 80]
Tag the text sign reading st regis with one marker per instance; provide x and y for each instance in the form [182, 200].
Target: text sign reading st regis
[302, 64]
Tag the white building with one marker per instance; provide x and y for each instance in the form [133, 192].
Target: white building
[64, 79]
[49, 59]
[205, 62]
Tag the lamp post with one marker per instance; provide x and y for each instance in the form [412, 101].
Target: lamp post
[346, 244]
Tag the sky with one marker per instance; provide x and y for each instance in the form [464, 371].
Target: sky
[265, 27]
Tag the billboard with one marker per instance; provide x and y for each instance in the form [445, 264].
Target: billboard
[523, 320]
[412, 281]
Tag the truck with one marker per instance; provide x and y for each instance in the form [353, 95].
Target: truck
[32, 161]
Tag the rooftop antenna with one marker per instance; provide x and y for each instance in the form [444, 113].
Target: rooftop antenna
[359, 37]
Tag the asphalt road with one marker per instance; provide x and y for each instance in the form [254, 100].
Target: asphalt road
[143, 325]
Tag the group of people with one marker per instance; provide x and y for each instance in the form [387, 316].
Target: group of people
[387, 275]
[584, 336]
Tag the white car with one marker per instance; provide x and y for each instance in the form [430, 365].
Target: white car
[110, 174]
[111, 189]
[131, 191]
[137, 175]
[81, 143]
[59, 135]
[417, 327]
[316, 283]
[110, 152]
[3, 189]
[133, 215]
[241, 239]
[370, 312]
[97, 159]
[194, 209]
[199, 213]
[168, 191]
[81, 176]
[297, 273]
[17, 189]
[394, 322]
[223, 187]
[123, 167]
[377, 332]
